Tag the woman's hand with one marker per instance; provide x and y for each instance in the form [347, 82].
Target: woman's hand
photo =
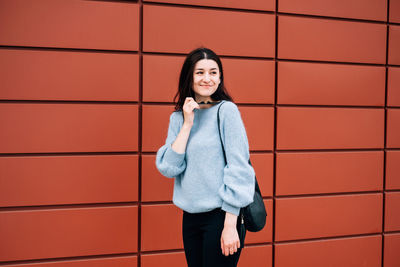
[230, 238]
[179, 145]
[188, 107]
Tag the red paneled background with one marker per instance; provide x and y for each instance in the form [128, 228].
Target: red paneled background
[86, 90]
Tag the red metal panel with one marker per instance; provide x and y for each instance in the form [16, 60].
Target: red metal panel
[68, 128]
[265, 235]
[161, 227]
[331, 40]
[323, 216]
[62, 75]
[263, 165]
[391, 250]
[128, 261]
[357, 9]
[344, 252]
[392, 214]
[50, 180]
[328, 172]
[392, 170]
[394, 44]
[319, 128]
[259, 124]
[38, 234]
[256, 256]
[65, 23]
[393, 128]
[394, 12]
[330, 84]
[176, 259]
[254, 4]
[393, 94]
[250, 81]
[177, 30]
[161, 77]
[155, 186]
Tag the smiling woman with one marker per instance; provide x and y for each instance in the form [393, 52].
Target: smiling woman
[201, 78]
[209, 188]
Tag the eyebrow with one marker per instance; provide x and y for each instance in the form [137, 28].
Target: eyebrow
[203, 69]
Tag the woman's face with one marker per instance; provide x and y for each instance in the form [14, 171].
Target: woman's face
[206, 78]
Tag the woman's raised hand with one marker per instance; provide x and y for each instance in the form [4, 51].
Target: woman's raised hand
[188, 110]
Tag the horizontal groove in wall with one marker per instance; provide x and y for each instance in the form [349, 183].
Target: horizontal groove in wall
[173, 104]
[264, 12]
[184, 54]
[329, 150]
[326, 238]
[68, 154]
[151, 203]
[209, 7]
[181, 250]
[69, 206]
[329, 194]
[64, 259]
[391, 190]
[391, 232]
[89, 50]
[11, 101]
[154, 153]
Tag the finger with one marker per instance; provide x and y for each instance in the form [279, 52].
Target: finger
[238, 244]
[226, 251]
[222, 246]
[188, 99]
[191, 102]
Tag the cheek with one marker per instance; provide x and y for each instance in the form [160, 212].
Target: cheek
[196, 79]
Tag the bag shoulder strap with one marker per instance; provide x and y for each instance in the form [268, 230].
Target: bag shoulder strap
[223, 149]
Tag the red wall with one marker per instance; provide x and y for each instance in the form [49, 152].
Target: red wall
[86, 91]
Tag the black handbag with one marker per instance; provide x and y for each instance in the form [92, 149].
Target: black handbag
[254, 216]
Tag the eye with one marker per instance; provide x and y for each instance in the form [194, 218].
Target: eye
[199, 72]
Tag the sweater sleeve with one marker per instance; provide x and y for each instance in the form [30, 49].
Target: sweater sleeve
[239, 177]
[169, 162]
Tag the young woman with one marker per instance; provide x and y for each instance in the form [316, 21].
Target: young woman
[209, 190]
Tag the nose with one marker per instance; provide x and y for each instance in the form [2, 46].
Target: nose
[206, 77]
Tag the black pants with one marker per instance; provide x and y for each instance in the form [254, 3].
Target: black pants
[202, 239]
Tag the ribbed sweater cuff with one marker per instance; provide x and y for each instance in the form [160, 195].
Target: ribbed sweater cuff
[172, 157]
[231, 209]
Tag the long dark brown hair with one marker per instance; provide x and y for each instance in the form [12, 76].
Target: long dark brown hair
[186, 77]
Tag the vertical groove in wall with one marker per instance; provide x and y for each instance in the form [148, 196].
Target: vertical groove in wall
[385, 134]
[275, 133]
[140, 114]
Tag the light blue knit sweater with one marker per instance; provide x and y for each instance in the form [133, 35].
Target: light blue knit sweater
[202, 180]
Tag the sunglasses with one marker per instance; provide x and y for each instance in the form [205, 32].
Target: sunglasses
[208, 102]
